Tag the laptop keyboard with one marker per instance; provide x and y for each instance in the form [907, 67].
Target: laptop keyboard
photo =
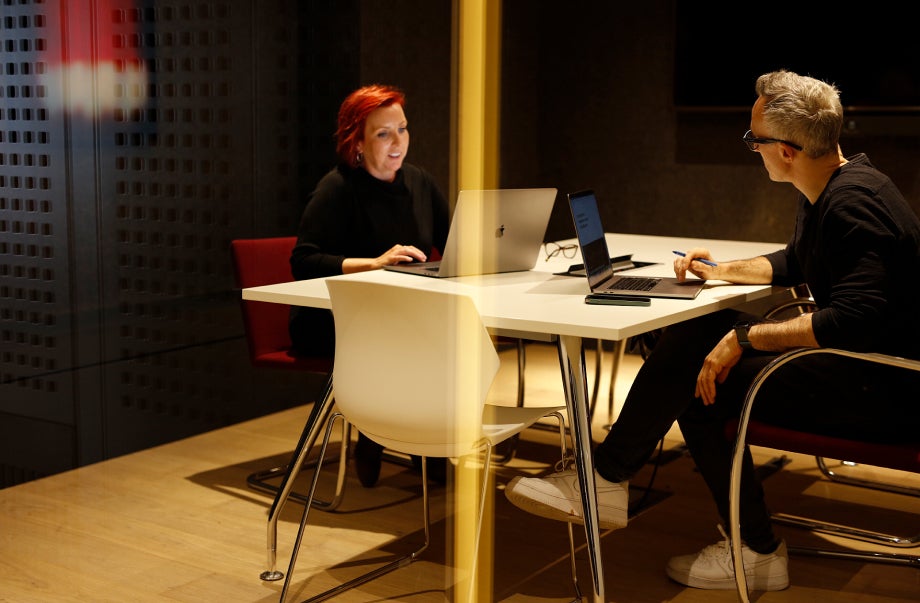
[635, 283]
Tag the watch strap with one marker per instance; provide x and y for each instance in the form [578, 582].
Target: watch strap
[741, 333]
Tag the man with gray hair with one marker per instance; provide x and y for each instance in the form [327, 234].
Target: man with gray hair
[856, 245]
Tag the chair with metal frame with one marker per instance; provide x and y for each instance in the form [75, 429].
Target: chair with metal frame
[904, 457]
[266, 261]
[387, 336]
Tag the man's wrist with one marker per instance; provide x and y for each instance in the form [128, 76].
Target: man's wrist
[742, 334]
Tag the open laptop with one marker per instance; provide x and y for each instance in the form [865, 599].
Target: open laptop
[599, 269]
[491, 231]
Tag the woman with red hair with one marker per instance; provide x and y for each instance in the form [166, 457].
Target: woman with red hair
[371, 210]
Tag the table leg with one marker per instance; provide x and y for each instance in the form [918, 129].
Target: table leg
[575, 383]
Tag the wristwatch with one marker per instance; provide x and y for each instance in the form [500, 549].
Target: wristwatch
[741, 332]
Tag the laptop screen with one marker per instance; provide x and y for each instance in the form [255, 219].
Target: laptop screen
[591, 238]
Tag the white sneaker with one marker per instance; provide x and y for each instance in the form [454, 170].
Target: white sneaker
[558, 496]
[712, 568]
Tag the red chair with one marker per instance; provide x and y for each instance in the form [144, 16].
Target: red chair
[903, 457]
[266, 261]
[258, 262]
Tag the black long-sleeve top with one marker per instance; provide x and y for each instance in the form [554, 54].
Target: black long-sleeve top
[352, 214]
[858, 250]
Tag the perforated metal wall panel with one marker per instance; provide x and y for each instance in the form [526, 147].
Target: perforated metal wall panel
[175, 154]
[137, 139]
[35, 263]
[130, 155]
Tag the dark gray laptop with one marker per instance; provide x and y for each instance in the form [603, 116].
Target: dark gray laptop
[491, 231]
[598, 268]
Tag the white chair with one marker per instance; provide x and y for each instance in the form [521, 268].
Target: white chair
[412, 371]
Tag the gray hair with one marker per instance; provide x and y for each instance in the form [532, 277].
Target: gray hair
[803, 110]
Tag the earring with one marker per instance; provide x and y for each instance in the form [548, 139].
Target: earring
[359, 158]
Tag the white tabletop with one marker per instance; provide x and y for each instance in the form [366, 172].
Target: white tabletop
[539, 304]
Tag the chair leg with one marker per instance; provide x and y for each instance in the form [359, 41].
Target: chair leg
[308, 505]
[574, 568]
[319, 415]
[867, 556]
[260, 479]
[397, 563]
[480, 511]
[854, 533]
[563, 455]
[851, 532]
[865, 483]
[522, 366]
[509, 446]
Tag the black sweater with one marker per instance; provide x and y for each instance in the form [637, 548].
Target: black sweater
[858, 250]
[352, 214]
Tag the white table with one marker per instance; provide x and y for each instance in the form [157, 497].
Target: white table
[542, 306]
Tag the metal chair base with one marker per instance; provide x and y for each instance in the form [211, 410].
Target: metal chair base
[406, 559]
[864, 556]
[261, 481]
[852, 532]
[865, 483]
[396, 563]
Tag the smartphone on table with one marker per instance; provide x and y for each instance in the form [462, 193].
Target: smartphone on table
[611, 299]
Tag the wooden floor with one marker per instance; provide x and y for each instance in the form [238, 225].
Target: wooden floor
[178, 523]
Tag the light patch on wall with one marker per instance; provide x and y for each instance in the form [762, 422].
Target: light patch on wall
[101, 87]
[101, 72]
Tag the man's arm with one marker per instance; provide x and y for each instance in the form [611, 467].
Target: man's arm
[755, 271]
[767, 336]
[781, 336]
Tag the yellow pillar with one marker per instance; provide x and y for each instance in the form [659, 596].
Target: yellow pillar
[477, 95]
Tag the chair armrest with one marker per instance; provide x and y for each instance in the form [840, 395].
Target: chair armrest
[804, 304]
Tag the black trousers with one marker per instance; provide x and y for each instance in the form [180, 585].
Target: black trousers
[828, 395]
[312, 331]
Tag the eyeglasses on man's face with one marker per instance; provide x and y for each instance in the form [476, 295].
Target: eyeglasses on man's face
[753, 142]
[553, 249]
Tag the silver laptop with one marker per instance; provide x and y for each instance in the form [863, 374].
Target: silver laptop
[491, 231]
[599, 269]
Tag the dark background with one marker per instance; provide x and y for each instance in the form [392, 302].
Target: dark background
[119, 320]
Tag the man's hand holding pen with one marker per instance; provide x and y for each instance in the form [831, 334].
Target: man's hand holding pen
[697, 261]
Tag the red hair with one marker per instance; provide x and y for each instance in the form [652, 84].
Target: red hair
[353, 116]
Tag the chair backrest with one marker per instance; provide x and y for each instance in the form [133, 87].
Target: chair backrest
[258, 262]
[412, 367]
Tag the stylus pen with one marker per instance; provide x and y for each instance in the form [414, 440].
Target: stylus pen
[707, 262]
